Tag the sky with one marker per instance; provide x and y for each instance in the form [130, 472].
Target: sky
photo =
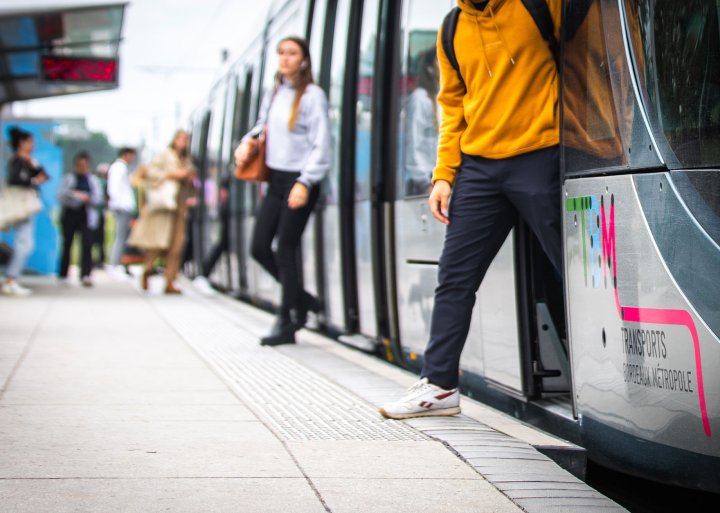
[169, 58]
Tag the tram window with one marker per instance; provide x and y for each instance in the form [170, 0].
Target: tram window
[368, 36]
[288, 23]
[678, 44]
[335, 98]
[603, 125]
[317, 35]
[419, 86]
[591, 131]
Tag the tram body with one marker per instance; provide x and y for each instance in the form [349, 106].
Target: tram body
[621, 354]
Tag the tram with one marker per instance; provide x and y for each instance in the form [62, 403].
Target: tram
[621, 354]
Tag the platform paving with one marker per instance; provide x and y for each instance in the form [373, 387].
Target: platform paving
[121, 401]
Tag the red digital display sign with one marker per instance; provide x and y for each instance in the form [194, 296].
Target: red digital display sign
[77, 69]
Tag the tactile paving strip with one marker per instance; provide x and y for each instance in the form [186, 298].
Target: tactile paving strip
[295, 401]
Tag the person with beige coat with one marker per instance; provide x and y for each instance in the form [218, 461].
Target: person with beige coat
[160, 231]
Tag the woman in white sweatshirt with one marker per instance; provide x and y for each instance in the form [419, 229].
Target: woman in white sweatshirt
[294, 116]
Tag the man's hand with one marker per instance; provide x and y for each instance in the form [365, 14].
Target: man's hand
[82, 197]
[439, 198]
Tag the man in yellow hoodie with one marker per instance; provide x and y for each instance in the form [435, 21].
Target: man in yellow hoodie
[498, 157]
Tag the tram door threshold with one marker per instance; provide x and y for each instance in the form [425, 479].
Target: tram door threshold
[555, 372]
[545, 360]
[359, 341]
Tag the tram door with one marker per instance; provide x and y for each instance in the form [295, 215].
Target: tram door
[211, 187]
[363, 194]
[333, 243]
[249, 194]
[240, 123]
[197, 218]
[492, 348]
[320, 41]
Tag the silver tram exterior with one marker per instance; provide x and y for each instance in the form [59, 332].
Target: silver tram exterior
[622, 353]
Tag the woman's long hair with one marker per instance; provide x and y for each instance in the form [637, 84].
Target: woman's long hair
[184, 152]
[303, 78]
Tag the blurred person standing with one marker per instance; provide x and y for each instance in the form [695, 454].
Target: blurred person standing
[498, 157]
[101, 171]
[422, 126]
[81, 197]
[121, 202]
[24, 174]
[160, 230]
[294, 118]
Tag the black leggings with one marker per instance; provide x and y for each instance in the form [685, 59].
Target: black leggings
[74, 221]
[275, 218]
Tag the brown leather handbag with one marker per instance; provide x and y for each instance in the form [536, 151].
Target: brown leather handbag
[254, 169]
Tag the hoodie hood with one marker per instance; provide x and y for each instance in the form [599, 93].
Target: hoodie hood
[467, 7]
[493, 6]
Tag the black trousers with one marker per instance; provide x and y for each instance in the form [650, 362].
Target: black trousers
[222, 245]
[488, 196]
[275, 219]
[99, 241]
[74, 221]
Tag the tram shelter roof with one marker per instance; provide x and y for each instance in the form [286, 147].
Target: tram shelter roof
[50, 50]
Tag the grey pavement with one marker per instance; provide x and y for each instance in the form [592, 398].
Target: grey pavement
[117, 401]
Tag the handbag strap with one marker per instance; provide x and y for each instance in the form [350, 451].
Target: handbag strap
[263, 133]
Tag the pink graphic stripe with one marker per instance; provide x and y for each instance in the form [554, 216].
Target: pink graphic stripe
[652, 315]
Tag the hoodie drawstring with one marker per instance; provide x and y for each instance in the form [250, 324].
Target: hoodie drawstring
[497, 29]
[500, 36]
[482, 46]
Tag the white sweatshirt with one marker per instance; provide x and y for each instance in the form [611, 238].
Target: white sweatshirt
[305, 149]
[118, 187]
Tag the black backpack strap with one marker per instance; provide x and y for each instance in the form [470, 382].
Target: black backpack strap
[449, 26]
[540, 13]
[575, 14]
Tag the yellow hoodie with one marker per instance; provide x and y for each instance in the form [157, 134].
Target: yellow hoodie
[511, 103]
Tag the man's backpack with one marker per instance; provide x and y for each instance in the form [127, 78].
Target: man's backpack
[539, 11]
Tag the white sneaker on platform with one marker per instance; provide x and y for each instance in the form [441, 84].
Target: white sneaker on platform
[423, 399]
[13, 288]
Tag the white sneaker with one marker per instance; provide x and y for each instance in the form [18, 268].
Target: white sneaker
[13, 288]
[203, 286]
[423, 399]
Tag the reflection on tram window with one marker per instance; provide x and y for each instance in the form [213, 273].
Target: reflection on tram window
[331, 182]
[603, 126]
[420, 83]
[421, 126]
[679, 42]
[368, 35]
[591, 134]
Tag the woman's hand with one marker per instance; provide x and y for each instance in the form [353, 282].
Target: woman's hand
[298, 196]
[244, 152]
[179, 174]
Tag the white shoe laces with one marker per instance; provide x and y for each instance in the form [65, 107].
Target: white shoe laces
[419, 386]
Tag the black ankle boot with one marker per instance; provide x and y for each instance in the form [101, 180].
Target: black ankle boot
[282, 332]
[310, 303]
[282, 321]
[286, 336]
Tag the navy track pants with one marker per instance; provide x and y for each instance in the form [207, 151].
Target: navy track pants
[488, 195]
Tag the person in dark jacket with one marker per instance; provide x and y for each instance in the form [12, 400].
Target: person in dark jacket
[80, 196]
[22, 171]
